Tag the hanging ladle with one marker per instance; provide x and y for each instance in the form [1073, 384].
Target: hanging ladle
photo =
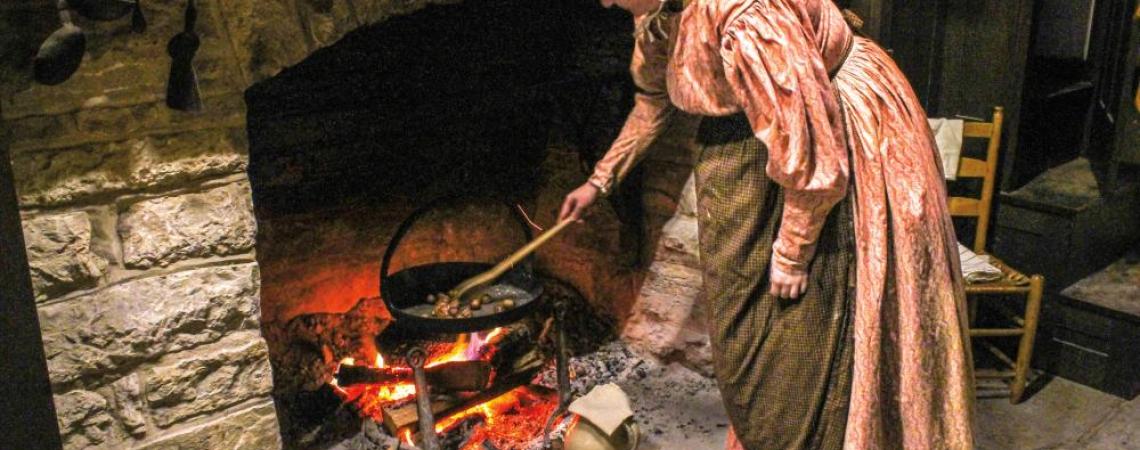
[60, 54]
[182, 92]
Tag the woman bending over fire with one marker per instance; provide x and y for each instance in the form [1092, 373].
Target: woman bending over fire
[837, 315]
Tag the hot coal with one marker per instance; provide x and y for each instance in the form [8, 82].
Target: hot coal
[319, 417]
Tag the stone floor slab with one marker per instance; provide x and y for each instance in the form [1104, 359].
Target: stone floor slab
[1056, 417]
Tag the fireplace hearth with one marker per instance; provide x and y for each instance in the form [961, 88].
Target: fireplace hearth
[199, 277]
[488, 388]
[472, 119]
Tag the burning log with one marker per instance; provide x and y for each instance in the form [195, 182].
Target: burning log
[397, 418]
[453, 376]
[404, 417]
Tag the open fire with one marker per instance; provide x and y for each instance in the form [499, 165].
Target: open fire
[486, 402]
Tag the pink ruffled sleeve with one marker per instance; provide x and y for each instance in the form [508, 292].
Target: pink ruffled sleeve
[646, 121]
[775, 68]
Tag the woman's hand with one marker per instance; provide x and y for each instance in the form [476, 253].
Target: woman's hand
[577, 201]
[786, 282]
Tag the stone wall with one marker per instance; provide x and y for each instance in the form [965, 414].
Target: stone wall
[139, 222]
[140, 228]
[667, 318]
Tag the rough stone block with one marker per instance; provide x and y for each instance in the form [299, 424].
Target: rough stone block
[209, 379]
[267, 35]
[667, 320]
[327, 20]
[84, 420]
[54, 177]
[252, 428]
[126, 394]
[679, 237]
[113, 330]
[59, 253]
[160, 231]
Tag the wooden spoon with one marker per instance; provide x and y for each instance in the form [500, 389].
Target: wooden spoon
[495, 272]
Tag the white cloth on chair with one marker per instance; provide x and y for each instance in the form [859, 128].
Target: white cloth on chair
[948, 136]
[977, 268]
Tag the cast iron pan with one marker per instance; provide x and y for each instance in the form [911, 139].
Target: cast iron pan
[405, 292]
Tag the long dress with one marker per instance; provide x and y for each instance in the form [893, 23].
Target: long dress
[830, 108]
[783, 366]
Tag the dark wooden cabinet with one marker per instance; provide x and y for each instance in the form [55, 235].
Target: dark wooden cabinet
[1110, 134]
[1090, 345]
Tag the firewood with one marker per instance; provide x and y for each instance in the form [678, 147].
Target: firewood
[532, 360]
[459, 375]
[396, 418]
[453, 376]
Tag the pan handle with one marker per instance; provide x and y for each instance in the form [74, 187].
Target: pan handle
[406, 226]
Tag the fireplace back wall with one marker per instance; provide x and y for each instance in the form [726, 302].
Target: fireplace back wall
[466, 99]
[451, 99]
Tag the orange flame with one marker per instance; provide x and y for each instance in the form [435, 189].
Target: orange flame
[526, 406]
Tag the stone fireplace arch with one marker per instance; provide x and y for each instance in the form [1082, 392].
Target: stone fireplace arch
[138, 219]
[140, 228]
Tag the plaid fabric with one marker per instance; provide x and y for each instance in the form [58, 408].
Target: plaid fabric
[784, 367]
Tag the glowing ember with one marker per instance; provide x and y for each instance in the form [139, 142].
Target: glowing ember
[509, 421]
[371, 398]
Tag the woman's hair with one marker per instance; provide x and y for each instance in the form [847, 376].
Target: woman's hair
[853, 20]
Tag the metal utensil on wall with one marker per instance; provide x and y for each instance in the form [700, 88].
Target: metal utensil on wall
[108, 10]
[138, 20]
[182, 92]
[62, 52]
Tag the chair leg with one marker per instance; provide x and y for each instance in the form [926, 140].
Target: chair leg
[1025, 348]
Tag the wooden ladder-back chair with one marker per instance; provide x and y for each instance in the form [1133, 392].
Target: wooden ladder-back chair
[1012, 282]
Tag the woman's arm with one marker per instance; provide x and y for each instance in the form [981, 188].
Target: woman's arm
[646, 121]
[776, 71]
[649, 117]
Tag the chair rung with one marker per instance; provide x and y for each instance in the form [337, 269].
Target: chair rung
[975, 289]
[996, 332]
[977, 130]
[971, 168]
[991, 373]
[985, 393]
[965, 207]
[999, 354]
